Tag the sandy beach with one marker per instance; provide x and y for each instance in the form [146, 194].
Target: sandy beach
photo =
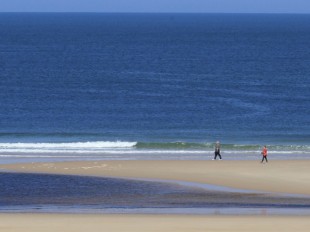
[158, 223]
[276, 176]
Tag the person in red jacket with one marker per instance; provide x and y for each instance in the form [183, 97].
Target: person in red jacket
[264, 153]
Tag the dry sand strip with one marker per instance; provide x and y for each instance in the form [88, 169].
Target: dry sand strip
[278, 176]
[149, 223]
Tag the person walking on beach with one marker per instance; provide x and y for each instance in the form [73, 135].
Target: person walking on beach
[264, 153]
[217, 151]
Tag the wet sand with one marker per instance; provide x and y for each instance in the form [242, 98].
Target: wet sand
[278, 176]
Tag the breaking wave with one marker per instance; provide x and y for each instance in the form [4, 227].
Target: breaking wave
[140, 147]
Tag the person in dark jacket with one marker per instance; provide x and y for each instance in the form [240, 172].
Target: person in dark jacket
[217, 151]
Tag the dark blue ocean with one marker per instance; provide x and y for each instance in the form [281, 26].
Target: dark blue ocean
[155, 84]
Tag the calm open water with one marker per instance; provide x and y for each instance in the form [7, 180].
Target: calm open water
[163, 84]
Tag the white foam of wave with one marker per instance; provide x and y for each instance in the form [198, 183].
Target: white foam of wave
[65, 147]
[120, 147]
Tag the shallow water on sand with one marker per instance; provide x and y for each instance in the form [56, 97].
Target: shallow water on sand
[63, 193]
